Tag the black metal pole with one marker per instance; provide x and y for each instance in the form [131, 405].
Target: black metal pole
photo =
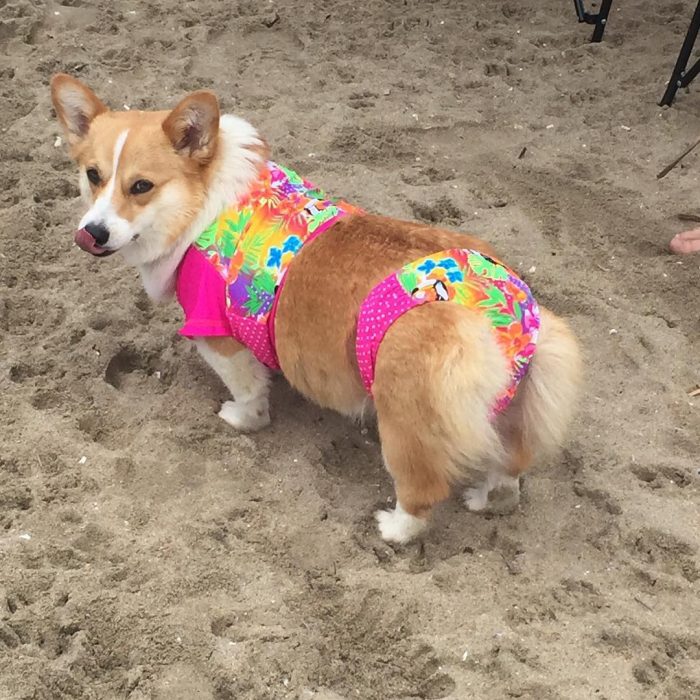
[690, 74]
[601, 20]
[679, 75]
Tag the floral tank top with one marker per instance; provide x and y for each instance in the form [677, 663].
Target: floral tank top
[252, 244]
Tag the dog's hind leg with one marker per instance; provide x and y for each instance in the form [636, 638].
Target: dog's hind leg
[419, 480]
[438, 372]
[497, 493]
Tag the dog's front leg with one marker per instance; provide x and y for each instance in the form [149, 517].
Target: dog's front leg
[247, 379]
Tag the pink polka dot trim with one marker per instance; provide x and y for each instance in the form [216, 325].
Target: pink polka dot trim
[382, 306]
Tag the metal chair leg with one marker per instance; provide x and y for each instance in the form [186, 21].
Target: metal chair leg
[680, 77]
[600, 19]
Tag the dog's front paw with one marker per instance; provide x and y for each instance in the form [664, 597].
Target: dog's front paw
[246, 416]
[398, 525]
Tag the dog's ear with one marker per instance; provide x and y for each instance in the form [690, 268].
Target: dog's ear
[193, 126]
[76, 106]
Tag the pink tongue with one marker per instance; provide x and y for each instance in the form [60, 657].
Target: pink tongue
[85, 241]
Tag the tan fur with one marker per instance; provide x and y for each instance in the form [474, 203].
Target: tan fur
[537, 419]
[76, 106]
[192, 127]
[146, 155]
[151, 152]
[437, 374]
[223, 345]
[262, 150]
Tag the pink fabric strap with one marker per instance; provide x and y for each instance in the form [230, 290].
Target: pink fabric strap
[382, 306]
[272, 339]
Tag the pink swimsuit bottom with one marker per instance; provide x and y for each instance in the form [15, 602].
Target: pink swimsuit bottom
[461, 276]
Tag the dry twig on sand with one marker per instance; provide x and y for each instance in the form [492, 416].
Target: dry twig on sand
[688, 217]
[671, 166]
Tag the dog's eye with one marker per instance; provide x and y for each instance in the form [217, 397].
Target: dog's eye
[93, 175]
[141, 187]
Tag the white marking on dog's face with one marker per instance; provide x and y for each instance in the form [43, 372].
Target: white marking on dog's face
[103, 210]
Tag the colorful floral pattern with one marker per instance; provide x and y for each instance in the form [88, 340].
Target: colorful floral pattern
[466, 277]
[253, 243]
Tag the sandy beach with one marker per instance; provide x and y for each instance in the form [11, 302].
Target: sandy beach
[149, 551]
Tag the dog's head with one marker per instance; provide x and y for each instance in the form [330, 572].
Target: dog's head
[143, 175]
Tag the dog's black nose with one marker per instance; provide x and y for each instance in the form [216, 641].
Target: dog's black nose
[98, 232]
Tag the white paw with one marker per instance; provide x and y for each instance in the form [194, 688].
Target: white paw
[398, 525]
[476, 499]
[246, 416]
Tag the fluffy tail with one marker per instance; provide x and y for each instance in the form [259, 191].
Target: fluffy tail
[547, 397]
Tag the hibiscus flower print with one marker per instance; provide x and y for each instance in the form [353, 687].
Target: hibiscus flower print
[253, 242]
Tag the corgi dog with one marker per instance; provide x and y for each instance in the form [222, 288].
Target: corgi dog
[469, 373]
